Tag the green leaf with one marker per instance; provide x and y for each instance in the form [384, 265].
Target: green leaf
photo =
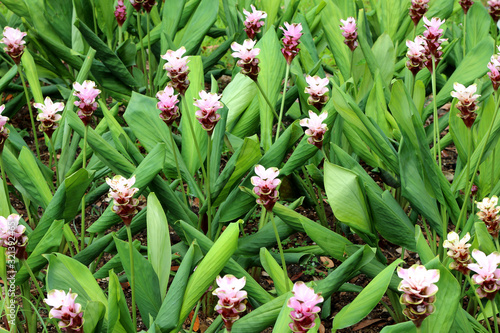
[275, 271]
[159, 251]
[484, 238]
[364, 303]
[424, 251]
[117, 305]
[93, 316]
[271, 8]
[32, 76]
[172, 12]
[107, 21]
[478, 25]
[59, 14]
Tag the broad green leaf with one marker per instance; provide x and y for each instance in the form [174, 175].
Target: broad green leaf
[18, 7]
[484, 238]
[159, 252]
[275, 271]
[271, 7]
[424, 251]
[93, 316]
[237, 96]
[106, 21]
[32, 76]
[172, 12]
[58, 13]
[478, 25]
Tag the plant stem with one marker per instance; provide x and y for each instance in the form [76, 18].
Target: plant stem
[84, 152]
[120, 35]
[174, 151]
[414, 31]
[195, 315]
[494, 308]
[207, 187]
[53, 153]
[143, 53]
[492, 169]
[151, 89]
[190, 125]
[480, 304]
[287, 72]
[437, 141]
[4, 179]
[283, 262]
[465, 32]
[82, 234]
[262, 221]
[28, 101]
[132, 278]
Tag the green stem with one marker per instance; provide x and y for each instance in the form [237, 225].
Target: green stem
[480, 304]
[28, 101]
[287, 72]
[207, 187]
[132, 278]
[494, 308]
[174, 151]
[84, 159]
[82, 234]
[419, 329]
[4, 179]
[437, 140]
[28, 211]
[195, 139]
[414, 31]
[263, 216]
[53, 153]
[195, 315]
[465, 32]
[283, 262]
[151, 89]
[120, 35]
[143, 53]
[492, 169]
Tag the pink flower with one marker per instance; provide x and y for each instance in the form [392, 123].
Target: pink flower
[417, 55]
[418, 9]
[120, 13]
[209, 104]
[231, 298]
[12, 235]
[253, 21]
[494, 73]
[48, 117]
[167, 105]
[419, 292]
[148, 5]
[433, 40]
[122, 192]
[246, 53]
[349, 32]
[489, 214]
[4, 131]
[458, 250]
[494, 9]
[87, 93]
[315, 128]
[66, 309]
[265, 184]
[14, 43]
[466, 4]
[466, 102]
[137, 4]
[292, 33]
[488, 274]
[317, 90]
[304, 304]
[433, 28]
[177, 69]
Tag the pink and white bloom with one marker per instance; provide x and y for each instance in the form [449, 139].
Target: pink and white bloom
[292, 33]
[418, 9]
[433, 41]
[246, 54]
[494, 9]
[177, 69]
[494, 73]
[4, 131]
[168, 105]
[315, 128]
[417, 54]
[419, 292]
[49, 116]
[458, 250]
[466, 102]
[317, 89]
[433, 27]
[304, 304]
[87, 93]
[488, 274]
[12, 235]
[14, 43]
[349, 31]
[489, 213]
[122, 192]
[120, 12]
[66, 310]
[209, 104]
[231, 298]
[253, 21]
[265, 186]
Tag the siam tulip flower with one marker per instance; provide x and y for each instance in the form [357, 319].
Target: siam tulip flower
[137, 4]
[494, 73]
[317, 90]
[419, 292]
[87, 93]
[416, 55]
[474, 189]
[418, 9]
[466, 102]
[148, 5]
[246, 54]
[265, 184]
[66, 310]
[488, 274]
[209, 104]
[253, 21]
[167, 105]
[122, 192]
[177, 69]
[458, 250]
[48, 117]
[231, 299]
[4, 131]
[315, 128]
[120, 13]
[466, 4]
[349, 32]
[304, 304]
[433, 40]
[489, 214]
[494, 9]
[292, 33]
[12, 235]
[14, 43]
